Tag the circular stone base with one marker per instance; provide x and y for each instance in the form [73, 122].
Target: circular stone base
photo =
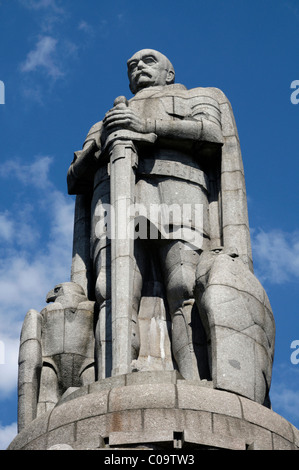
[156, 410]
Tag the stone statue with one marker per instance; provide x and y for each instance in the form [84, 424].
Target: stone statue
[162, 276]
[56, 350]
[238, 319]
[167, 147]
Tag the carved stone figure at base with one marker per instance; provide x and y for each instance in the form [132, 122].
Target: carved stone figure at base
[56, 350]
[239, 324]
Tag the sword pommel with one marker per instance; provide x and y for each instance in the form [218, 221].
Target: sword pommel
[120, 100]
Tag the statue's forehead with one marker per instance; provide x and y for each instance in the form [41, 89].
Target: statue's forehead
[146, 52]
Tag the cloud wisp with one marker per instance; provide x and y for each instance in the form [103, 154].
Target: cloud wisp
[41, 5]
[277, 255]
[284, 391]
[7, 433]
[51, 48]
[35, 173]
[43, 57]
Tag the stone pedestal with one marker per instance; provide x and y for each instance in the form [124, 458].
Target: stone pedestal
[156, 410]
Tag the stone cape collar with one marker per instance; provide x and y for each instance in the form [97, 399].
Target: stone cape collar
[150, 91]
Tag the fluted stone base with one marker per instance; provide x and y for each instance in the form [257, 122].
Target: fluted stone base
[156, 410]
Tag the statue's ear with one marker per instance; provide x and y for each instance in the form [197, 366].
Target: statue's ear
[170, 77]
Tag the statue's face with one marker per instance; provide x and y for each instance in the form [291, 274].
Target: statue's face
[148, 68]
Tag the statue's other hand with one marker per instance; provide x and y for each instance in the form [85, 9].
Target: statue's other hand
[123, 118]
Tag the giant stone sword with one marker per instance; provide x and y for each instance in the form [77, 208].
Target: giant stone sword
[123, 163]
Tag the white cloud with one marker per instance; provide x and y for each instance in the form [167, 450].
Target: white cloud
[48, 13]
[284, 391]
[6, 226]
[41, 4]
[86, 27]
[36, 173]
[31, 263]
[276, 255]
[53, 51]
[7, 433]
[286, 401]
[43, 57]
[8, 364]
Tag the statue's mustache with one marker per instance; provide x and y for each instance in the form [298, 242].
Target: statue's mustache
[144, 73]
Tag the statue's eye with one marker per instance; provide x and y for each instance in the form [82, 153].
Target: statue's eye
[149, 60]
[56, 289]
[132, 66]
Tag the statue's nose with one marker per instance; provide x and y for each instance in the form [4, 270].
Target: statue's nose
[140, 64]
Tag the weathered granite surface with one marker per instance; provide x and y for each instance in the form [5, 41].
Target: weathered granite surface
[156, 410]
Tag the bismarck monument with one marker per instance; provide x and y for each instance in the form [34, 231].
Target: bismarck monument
[164, 337]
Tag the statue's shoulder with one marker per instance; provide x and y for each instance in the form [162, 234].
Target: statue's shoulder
[209, 92]
[51, 307]
[95, 128]
[94, 133]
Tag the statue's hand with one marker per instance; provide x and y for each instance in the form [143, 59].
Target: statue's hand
[123, 118]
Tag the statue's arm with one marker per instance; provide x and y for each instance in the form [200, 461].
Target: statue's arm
[81, 171]
[198, 129]
[198, 122]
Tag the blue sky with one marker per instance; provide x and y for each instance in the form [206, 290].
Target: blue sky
[63, 62]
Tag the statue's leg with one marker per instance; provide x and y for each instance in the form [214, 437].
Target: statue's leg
[103, 333]
[152, 324]
[178, 264]
[139, 271]
[49, 390]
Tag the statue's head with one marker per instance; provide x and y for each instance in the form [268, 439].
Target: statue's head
[66, 290]
[149, 68]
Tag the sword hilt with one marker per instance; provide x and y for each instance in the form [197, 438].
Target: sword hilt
[120, 101]
[125, 134]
